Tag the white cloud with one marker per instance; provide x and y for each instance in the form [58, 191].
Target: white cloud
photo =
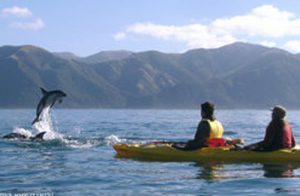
[264, 22]
[119, 36]
[268, 43]
[193, 35]
[293, 45]
[34, 25]
[25, 18]
[16, 11]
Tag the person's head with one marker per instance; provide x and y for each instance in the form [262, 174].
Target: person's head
[207, 109]
[278, 112]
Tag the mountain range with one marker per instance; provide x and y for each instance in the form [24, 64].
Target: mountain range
[239, 75]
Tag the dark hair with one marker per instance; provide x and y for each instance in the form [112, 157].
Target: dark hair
[208, 108]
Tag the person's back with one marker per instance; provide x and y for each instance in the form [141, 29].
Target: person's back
[278, 134]
[208, 128]
[288, 137]
[216, 128]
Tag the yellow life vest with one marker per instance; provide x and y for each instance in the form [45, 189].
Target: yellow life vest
[216, 128]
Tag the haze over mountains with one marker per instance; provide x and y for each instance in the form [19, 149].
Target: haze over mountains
[239, 75]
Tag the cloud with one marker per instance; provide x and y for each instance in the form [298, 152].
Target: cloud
[26, 20]
[16, 11]
[268, 43]
[293, 45]
[193, 35]
[265, 22]
[34, 25]
[119, 36]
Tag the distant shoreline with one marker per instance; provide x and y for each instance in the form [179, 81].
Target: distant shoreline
[97, 108]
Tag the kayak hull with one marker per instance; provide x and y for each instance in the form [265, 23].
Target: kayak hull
[165, 152]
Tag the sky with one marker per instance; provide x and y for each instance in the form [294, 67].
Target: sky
[86, 27]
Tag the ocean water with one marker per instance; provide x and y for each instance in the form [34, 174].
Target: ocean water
[77, 158]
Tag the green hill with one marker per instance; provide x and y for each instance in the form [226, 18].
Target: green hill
[239, 75]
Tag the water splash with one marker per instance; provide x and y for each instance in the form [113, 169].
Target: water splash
[22, 131]
[46, 125]
[53, 138]
[113, 139]
[83, 143]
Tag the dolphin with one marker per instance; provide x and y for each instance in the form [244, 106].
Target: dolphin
[38, 137]
[48, 100]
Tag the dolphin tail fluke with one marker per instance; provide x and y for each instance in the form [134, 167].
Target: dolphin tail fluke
[35, 120]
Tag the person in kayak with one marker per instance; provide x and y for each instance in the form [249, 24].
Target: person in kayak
[209, 130]
[278, 133]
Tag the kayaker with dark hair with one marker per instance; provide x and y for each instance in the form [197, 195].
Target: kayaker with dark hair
[278, 134]
[209, 130]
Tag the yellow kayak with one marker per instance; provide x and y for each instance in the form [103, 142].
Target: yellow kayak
[165, 152]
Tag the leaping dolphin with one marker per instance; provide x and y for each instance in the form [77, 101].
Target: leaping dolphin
[48, 100]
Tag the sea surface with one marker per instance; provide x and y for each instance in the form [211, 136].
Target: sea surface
[77, 158]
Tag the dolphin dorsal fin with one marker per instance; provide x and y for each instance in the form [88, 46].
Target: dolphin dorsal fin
[40, 136]
[43, 91]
